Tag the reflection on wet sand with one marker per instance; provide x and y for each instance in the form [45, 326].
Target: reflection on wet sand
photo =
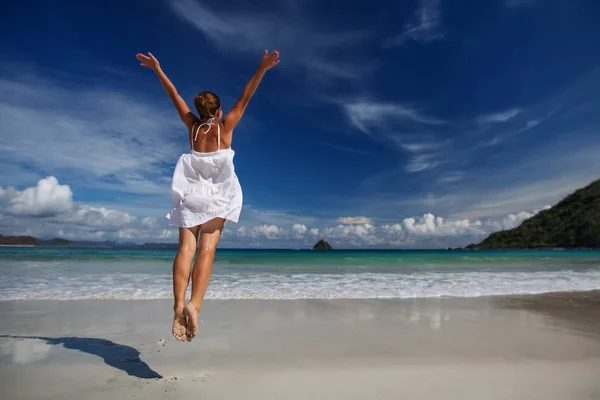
[579, 311]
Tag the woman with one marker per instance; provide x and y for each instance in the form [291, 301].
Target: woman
[205, 189]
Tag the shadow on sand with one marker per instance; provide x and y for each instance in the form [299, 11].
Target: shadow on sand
[116, 355]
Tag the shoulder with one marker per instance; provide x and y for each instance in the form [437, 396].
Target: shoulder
[195, 121]
[224, 128]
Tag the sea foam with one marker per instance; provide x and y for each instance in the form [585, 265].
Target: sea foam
[304, 286]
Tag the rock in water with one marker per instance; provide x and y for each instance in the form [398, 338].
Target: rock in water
[322, 245]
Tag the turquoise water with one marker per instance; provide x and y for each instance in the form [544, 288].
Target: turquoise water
[69, 273]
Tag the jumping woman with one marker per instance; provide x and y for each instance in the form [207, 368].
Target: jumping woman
[205, 189]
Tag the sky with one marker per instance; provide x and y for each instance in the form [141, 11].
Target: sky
[413, 124]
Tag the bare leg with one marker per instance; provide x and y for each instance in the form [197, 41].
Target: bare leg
[210, 233]
[188, 238]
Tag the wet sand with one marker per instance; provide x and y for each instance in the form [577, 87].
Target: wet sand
[519, 347]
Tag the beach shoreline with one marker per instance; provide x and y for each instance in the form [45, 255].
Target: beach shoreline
[308, 348]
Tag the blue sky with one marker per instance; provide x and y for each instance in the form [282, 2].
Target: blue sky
[402, 124]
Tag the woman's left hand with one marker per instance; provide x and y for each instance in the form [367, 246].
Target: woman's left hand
[148, 61]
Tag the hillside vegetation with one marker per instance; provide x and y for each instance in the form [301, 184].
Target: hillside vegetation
[572, 223]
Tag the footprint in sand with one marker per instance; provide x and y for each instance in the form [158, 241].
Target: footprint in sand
[198, 378]
[201, 377]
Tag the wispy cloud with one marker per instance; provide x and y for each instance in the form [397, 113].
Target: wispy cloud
[426, 27]
[369, 115]
[383, 121]
[533, 181]
[326, 54]
[423, 151]
[500, 117]
[354, 220]
[104, 138]
[451, 177]
[422, 162]
[519, 3]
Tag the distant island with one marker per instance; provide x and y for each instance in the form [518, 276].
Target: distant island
[322, 245]
[59, 242]
[572, 223]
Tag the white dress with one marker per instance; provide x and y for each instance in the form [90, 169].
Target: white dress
[205, 186]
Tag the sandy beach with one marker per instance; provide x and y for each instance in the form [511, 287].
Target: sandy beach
[519, 347]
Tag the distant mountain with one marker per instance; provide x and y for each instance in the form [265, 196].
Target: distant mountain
[59, 242]
[56, 242]
[19, 240]
[572, 223]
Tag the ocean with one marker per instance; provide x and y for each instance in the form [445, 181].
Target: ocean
[98, 273]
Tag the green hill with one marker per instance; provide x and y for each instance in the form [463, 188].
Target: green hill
[572, 223]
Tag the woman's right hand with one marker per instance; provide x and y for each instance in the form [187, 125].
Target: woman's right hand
[148, 61]
[269, 60]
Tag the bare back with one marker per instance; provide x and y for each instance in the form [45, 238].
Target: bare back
[209, 137]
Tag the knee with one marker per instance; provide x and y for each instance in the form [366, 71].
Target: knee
[188, 251]
[207, 249]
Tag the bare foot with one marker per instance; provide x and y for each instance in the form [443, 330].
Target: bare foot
[192, 328]
[179, 324]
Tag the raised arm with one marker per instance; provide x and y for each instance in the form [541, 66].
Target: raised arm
[233, 117]
[183, 110]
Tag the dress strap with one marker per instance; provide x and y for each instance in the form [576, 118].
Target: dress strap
[207, 123]
[192, 133]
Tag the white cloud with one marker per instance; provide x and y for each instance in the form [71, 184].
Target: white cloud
[299, 229]
[429, 225]
[86, 222]
[101, 217]
[392, 229]
[47, 210]
[266, 231]
[47, 198]
[409, 232]
[499, 117]
[511, 220]
[427, 26]
[300, 45]
[354, 220]
[365, 234]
